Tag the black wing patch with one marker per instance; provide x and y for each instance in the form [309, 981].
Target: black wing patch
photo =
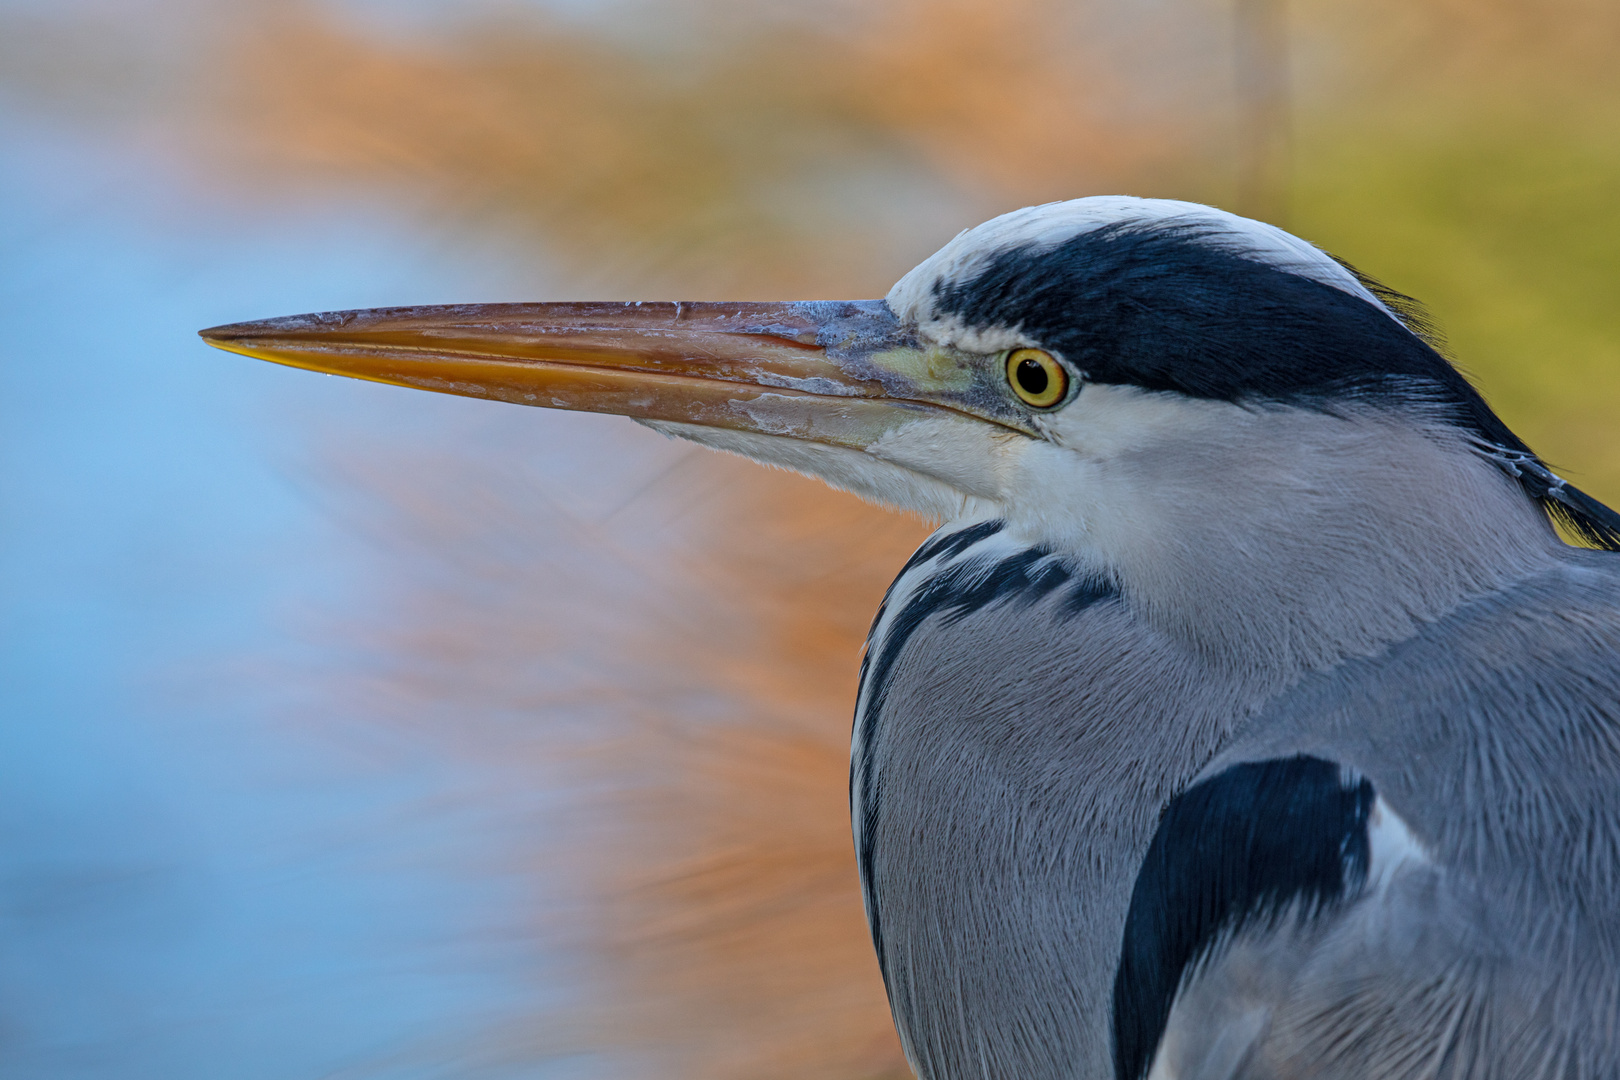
[1237, 849]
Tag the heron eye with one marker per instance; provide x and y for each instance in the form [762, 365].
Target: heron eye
[1036, 378]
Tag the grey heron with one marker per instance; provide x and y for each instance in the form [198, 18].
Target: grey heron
[1245, 717]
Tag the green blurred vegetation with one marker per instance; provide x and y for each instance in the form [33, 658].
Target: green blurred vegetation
[1468, 154]
[1511, 236]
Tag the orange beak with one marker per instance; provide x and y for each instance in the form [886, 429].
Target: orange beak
[837, 373]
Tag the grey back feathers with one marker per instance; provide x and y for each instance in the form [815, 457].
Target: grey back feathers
[1493, 950]
[1299, 756]
[1009, 788]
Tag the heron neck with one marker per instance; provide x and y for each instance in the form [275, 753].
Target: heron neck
[1294, 540]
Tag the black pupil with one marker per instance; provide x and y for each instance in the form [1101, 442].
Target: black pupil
[1032, 377]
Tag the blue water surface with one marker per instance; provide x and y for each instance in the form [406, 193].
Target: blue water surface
[196, 881]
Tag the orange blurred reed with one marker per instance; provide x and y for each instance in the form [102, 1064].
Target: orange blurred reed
[713, 165]
[682, 672]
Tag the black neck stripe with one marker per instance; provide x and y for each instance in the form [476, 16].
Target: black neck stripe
[953, 593]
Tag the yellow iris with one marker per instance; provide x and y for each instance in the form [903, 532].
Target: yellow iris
[1037, 379]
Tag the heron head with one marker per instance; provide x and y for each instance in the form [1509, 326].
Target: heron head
[1077, 369]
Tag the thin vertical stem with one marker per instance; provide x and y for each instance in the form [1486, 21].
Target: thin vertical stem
[1262, 102]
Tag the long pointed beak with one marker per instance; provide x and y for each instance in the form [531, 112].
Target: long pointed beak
[838, 373]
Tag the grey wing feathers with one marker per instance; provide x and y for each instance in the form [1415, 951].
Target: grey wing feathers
[1481, 937]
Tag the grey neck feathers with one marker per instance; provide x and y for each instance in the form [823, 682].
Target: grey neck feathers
[1286, 540]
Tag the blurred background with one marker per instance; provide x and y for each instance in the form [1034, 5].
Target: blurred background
[347, 731]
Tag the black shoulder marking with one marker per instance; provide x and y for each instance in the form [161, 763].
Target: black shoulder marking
[953, 593]
[1240, 848]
